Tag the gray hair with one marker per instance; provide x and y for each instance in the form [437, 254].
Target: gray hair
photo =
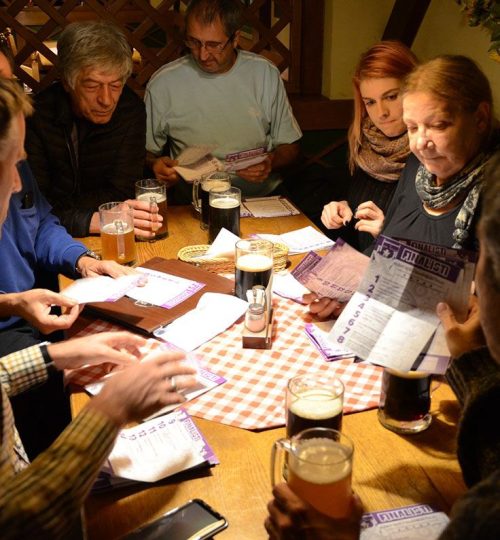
[229, 12]
[13, 101]
[490, 221]
[93, 44]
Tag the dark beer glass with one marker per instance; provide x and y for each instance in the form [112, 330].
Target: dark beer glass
[224, 212]
[405, 401]
[253, 265]
[313, 401]
[201, 188]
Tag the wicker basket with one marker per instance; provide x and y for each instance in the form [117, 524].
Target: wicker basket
[221, 265]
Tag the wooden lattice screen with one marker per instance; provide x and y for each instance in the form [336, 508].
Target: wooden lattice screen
[154, 29]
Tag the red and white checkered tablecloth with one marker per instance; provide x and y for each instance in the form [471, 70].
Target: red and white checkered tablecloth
[254, 395]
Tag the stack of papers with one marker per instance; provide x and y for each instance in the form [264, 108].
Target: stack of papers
[300, 240]
[155, 450]
[268, 207]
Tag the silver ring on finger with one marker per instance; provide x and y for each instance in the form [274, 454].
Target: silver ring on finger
[173, 382]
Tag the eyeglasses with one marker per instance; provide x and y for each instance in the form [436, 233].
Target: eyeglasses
[210, 46]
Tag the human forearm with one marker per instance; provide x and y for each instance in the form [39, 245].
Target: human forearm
[44, 500]
[285, 155]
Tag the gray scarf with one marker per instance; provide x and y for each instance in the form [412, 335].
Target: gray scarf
[467, 183]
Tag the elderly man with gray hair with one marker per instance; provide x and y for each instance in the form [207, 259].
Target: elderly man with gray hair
[86, 140]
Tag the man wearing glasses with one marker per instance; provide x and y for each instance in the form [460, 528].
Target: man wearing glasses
[221, 96]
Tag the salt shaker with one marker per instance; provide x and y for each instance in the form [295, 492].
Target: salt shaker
[255, 318]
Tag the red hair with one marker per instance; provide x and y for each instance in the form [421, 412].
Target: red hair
[387, 59]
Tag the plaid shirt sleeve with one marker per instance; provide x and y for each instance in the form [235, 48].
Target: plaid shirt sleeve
[44, 500]
[21, 370]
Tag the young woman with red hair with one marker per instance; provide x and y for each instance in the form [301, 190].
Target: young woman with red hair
[378, 144]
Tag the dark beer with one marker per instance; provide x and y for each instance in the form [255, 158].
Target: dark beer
[317, 407]
[252, 269]
[206, 186]
[224, 213]
[405, 397]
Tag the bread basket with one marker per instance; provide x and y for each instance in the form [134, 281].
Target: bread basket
[221, 265]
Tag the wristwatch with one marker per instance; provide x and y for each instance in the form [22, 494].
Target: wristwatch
[88, 253]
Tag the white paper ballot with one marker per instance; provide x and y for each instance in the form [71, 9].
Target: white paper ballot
[417, 522]
[301, 240]
[164, 290]
[101, 288]
[214, 313]
[392, 316]
[159, 448]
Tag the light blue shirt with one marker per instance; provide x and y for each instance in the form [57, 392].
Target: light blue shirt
[243, 108]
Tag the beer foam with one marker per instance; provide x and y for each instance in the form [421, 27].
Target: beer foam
[110, 228]
[408, 374]
[215, 185]
[316, 405]
[321, 461]
[254, 262]
[146, 197]
[225, 203]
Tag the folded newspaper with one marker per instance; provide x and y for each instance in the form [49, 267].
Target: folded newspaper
[391, 319]
[154, 450]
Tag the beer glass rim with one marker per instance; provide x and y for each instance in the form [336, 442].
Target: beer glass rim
[408, 374]
[341, 438]
[338, 384]
[118, 205]
[246, 243]
[150, 183]
[233, 190]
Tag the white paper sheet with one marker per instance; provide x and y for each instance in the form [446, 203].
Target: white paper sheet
[101, 288]
[159, 448]
[164, 290]
[214, 313]
[285, 285]
[301, 240]
[392, 317]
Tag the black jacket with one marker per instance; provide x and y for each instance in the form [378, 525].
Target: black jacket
[108, 160]
[475, 379]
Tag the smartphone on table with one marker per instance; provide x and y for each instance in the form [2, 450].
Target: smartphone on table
[195, 520]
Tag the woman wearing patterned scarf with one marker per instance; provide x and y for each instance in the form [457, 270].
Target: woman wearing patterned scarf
[378, 143]
[448, 110]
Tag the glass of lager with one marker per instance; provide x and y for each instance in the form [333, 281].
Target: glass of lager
[224, 212]
[117, 232]
[220, 181]
[314, 400]
[154, 193]
[253, 265]
[319, 469]
[405, 401]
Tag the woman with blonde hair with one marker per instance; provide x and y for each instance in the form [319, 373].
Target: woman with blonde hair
[378, 143]
[448, 110]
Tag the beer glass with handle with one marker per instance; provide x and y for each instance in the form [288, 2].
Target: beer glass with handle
[224, 212]
[405, 400]
[313, 400]
[219, 181]
[318, 468]
[117, 232]
[154, 193]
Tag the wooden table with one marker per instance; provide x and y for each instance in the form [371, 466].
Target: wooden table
[389, 470]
